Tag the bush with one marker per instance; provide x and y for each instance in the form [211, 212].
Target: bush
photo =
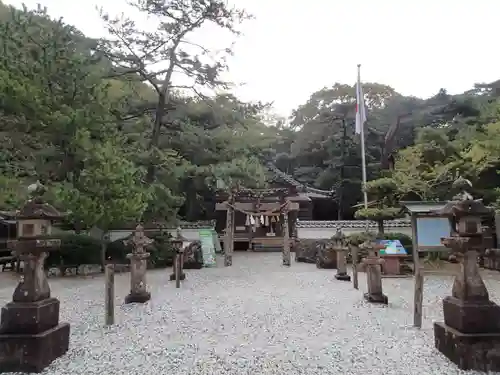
[162, 251]
[357, 239]
[76, 249]
[117, 251]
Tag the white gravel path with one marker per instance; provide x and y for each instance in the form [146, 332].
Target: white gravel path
[256, 317]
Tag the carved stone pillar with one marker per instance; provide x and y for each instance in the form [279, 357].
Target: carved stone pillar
[340, 246]
[178, 265]
[138, 267]
[31, 336]
[470, 333]
[374, 273]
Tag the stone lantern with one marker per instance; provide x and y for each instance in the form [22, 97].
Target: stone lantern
[470, 334]
[340, 246]
[178, 266]
[373, 264]
[138, 266]
[31, 336]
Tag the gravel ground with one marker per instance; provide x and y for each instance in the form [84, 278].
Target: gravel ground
[256, 317]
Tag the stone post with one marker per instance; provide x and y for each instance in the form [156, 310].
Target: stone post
[491, 258]
[178, 265]
[31, 336]
[340, 246]
[229, 234]
[373, 265]
[109, 295]
[354, 258]
[138, 267]
[286, 238]
[470, 333]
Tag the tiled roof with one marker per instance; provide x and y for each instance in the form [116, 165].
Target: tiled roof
[300, 186]
[402, 223]
[422, 207]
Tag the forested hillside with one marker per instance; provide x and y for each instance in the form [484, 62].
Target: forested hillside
[102, 125]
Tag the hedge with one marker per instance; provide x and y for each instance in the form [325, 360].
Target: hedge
[78, 249]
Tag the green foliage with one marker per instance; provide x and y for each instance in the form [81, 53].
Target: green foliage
[78, 250]
[75, 250]
[357, 239]
[108, 189]
[161, 251]
[382, 187]
[384, 191]
[11, 194]
[115, 140]
[378, 214]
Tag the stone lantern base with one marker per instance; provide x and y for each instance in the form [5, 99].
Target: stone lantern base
[137, 297]
[31, 336]
[470, 334]
[343, 277]
[469, 351]
[376, 298]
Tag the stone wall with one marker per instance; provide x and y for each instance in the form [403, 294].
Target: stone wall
[326, 229]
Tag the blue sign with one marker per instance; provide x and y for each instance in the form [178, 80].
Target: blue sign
[392, 247]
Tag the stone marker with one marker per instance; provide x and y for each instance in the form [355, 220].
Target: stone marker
[178, 266]
[109, 295]
[355, 264]
[470, 334]
[340, 245]
[373, 265]
[138, 266]
[492, 258]
[286, 256]
[31, 336]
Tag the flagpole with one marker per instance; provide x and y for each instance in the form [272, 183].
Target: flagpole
[362, 136]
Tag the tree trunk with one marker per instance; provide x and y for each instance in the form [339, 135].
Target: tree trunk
[104, 246]
[155, 135]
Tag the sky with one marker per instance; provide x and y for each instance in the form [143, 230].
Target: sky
[293, 48]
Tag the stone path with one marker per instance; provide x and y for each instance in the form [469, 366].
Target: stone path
[256, 317]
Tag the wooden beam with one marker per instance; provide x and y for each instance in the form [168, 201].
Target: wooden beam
[249, 206]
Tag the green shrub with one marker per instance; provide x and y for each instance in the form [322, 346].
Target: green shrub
[357, 239]
[117, 251]
[162, 251]
[76, 249]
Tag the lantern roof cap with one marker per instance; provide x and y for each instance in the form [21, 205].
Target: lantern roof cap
[463, 203]
[36, 208]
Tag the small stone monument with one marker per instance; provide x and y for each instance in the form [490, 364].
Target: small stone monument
[31, 336]
[178, 265]
[340, 245]
[373, 264]
[470, 334]
[138, 266]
